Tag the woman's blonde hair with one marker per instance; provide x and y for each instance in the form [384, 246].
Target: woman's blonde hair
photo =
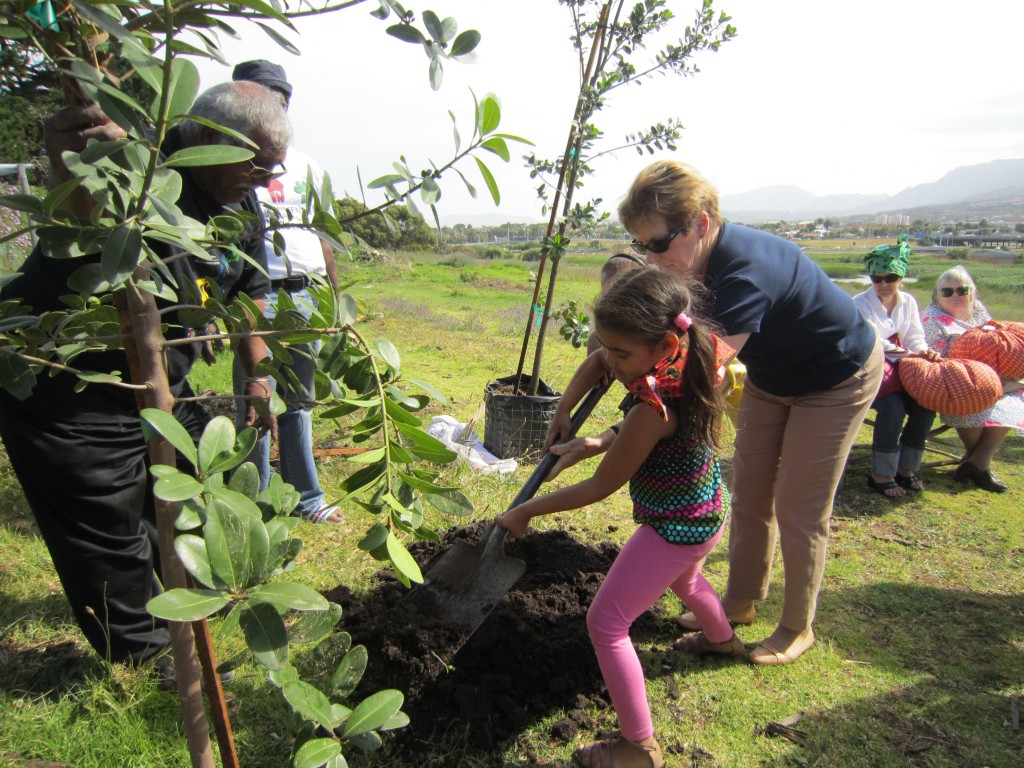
[672, 190]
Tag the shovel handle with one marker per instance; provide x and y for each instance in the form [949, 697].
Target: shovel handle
[536, 477]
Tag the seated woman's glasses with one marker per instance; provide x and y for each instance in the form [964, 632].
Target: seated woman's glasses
[960, 290]
[885, 278]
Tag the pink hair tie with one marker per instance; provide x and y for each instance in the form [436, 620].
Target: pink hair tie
[683, 322]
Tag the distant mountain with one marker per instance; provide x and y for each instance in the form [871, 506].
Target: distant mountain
[996, 180]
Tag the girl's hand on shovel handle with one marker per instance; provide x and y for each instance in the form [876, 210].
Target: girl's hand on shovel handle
[515, 521]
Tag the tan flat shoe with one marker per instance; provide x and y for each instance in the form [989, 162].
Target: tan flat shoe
[699, 644]
[621, 753]
[743, 616]
[768, 654]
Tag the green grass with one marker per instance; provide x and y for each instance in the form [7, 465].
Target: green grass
[920, 625]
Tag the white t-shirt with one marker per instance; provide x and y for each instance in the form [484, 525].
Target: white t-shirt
[288, 197]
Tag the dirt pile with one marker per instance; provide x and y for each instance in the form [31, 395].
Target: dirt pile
[530, 657]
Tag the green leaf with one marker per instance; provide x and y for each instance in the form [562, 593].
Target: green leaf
[498, 146]
[313, 625]
[177, 487]
[218, 449]
[406, 33]
[187, 604]
[492, 185]
[172, 431]
[452, 503]
[289, 596]
[426, 447]
[315, 752]
[309, 702]
[121, 252]
[265, 634]
[278, 38]
[207, 154]
[184, 86]
[236, 540]
[16, 376]
[348, 674]
[402, 560]
[369, 457]
[191, 550]
[430, 390]
[400, 414]
[373, 712]
[375, 537]
[489, 115]
[465, 43]
[246, 480]
[21, 202]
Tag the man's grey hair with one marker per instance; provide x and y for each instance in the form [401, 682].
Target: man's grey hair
[244, 107]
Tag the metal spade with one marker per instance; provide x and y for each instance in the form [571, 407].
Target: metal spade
[465, 584]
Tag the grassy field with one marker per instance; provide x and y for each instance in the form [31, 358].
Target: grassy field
[920, 651]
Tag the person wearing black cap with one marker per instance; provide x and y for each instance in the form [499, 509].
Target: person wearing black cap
[304, 255]
[80, 454]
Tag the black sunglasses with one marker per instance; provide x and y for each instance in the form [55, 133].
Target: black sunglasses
[262, 175]
[876, 279]
[963, 290]
[658, 244]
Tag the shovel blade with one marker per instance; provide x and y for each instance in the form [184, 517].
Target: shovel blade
[463, 587]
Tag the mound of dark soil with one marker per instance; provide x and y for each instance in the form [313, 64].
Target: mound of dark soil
[531, 656]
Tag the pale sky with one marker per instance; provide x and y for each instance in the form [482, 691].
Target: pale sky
[833, 96]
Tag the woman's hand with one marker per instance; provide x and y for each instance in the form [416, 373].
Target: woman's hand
[515, 521]
[927, 354]
[559, 429]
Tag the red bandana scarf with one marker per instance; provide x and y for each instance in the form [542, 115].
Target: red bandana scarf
[666, 378]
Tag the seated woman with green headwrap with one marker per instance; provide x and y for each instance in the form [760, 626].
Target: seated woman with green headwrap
[896, 448]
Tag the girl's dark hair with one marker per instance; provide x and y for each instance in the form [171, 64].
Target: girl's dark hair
[643, 305]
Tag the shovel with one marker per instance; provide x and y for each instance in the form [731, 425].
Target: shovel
[466, 583]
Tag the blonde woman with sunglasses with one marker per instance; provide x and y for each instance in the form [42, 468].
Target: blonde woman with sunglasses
[954, 310]
[813, 368]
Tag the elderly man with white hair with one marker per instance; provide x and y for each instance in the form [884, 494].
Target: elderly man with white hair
[81, 456]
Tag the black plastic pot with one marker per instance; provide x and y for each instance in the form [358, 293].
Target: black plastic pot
[515, 425]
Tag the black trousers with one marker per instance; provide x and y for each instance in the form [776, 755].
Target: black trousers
[89, 489]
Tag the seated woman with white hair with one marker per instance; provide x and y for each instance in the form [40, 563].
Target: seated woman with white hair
[954, 310]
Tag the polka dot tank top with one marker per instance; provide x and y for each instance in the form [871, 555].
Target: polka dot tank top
[678, 490]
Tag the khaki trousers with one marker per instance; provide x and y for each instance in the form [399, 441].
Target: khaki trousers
[789, 457]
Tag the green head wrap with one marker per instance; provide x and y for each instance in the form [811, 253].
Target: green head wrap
[890, 260]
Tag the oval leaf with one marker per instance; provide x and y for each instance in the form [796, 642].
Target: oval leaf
[265, 634]
[286, 596]
[187, 604]
[350, 671]
[373, 712]
[403, 561]
[166, 425]
[177, 486]
[208, 154]
[316, 752]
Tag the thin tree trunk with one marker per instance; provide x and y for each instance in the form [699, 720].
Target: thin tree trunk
[140, 323]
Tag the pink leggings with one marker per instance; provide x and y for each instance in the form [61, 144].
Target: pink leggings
[644, 569]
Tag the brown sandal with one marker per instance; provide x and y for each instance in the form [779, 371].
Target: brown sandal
[621, 753]
[700, 644]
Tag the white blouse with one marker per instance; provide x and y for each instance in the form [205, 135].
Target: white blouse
[904, 322]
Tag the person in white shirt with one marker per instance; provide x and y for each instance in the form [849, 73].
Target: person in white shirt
[896, 448]
[305, 255]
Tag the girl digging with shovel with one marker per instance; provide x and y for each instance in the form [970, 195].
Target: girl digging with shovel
[665, 448]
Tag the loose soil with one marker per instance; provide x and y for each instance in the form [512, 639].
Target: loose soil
[531, 657]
